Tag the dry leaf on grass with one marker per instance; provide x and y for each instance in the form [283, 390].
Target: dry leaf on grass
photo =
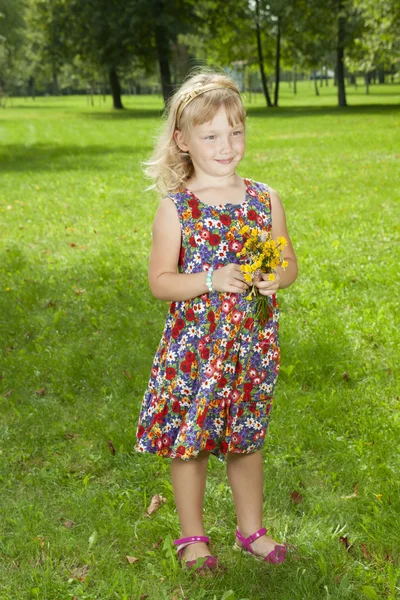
[345, 542]
[79, 573]
[296, 498]
[69, 524]
[127, 374]
[353, 495]
[155, 504]
[111, 447]
[131, 559]
[157, 544]
[365, 551]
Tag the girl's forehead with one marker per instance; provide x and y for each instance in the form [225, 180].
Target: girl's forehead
[220, 119]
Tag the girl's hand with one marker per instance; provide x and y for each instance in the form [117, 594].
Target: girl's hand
[229, 279]
[265, 286]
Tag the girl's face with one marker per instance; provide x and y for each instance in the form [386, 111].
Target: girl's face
[215, 147]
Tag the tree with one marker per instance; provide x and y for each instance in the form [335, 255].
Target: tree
[376, 44]
[11, 39]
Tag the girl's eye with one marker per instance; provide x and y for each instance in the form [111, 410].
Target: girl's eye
[237, 132]
[209, 137]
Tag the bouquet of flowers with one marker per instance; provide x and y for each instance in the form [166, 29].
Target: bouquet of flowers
[262, 254]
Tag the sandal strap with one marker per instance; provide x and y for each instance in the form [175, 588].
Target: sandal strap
[181, 543]
[192, 540]
[247, 541]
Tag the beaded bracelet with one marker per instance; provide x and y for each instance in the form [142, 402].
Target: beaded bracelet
[209, 279]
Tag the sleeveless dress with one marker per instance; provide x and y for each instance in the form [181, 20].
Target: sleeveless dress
[213, 376]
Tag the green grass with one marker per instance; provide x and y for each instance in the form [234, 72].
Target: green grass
[79, 329]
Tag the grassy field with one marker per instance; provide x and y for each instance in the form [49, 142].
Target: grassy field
[79, 329]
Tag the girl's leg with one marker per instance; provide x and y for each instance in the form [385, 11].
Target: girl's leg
[245, 476]
[189, 484]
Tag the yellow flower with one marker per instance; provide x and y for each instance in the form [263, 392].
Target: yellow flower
[249, 297]
[378, 496]
[271, 277]
[248, 277]
[284, 264]
[244, 229]
[282, 241]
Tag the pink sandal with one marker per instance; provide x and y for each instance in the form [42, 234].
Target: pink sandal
[276, 556]
[210, 562]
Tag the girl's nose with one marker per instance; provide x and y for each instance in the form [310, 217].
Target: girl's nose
[225, 147]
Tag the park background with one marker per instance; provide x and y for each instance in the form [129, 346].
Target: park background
[83, 86]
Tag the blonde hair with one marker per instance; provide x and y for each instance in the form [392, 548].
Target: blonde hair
[169, 166]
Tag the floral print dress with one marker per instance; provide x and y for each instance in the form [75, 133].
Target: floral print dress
[213, 376]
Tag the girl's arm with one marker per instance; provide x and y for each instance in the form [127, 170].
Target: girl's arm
[165, 283]
[284, 277]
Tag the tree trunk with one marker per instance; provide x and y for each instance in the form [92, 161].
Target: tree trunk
[54, 85]
[340, 56]
[366, 83]
[316, 84]
[115, 88]
[294, 79]
[162, 46]
[31, 87]
[260, 55]
[277, 62]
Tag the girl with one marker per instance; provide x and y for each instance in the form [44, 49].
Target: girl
[213, 376]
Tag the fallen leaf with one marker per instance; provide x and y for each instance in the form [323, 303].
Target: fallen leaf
[365, 550]
[111, 447]
[69, 524]
[296, 497]
[157, 544]
[7, 394]
[353, 495]
[127, 374]
[155, 504]
[131, 559]
[72, 245]
[346, 376]
[70, 436]
[79, 291]
[389, 558]
[80, 573]
[345, 542]
[40, 392]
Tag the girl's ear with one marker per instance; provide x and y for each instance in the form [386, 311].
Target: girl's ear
[179, 139]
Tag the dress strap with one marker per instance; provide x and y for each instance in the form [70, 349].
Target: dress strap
[180, 199]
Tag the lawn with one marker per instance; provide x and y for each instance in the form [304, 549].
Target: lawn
[79, 329]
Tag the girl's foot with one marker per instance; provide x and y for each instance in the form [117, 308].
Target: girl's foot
[195, 551]
[263, 545]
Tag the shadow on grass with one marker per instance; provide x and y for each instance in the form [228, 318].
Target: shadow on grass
[126, 114]
[295, 111]
[322, 111]
[47, 157]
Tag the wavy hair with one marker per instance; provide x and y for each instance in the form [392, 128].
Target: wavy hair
[169, 166]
